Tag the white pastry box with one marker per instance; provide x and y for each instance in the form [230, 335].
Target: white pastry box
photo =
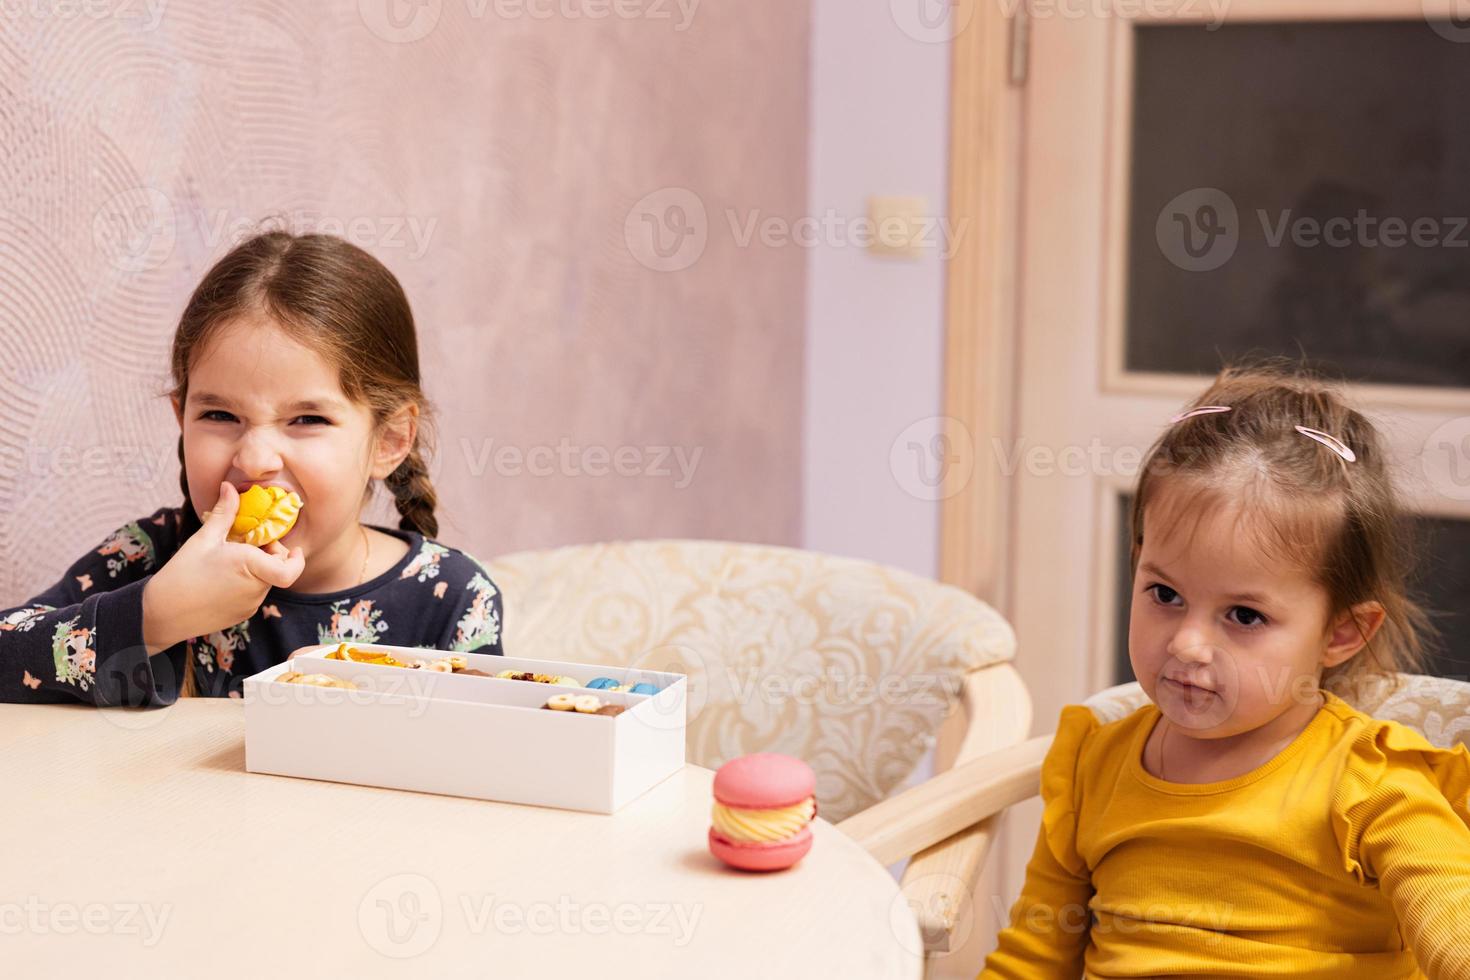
[462, 735]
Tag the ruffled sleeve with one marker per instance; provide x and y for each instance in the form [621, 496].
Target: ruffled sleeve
[1059, 786]
[1049, 924]
[1401, 814]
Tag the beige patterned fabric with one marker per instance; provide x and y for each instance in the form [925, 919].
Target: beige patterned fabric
[1436, 707]
[846, 664]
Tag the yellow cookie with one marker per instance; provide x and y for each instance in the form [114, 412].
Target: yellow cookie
[266, 514]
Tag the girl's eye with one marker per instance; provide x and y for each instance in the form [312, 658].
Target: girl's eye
[1248, 617]
[219, 415]
[1247, 611]
[1162, 593]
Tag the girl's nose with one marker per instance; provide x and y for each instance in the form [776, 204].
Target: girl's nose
[256, 455]
[1191, 645]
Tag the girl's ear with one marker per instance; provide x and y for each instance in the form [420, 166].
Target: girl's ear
[395, 440]
[1352, 631]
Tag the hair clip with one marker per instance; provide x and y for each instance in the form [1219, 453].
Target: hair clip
[1202, 410]
[1331, 442]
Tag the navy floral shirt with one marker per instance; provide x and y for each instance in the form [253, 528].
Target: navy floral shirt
[82, 639]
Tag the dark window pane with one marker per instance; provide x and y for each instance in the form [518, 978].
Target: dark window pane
[1337, 155]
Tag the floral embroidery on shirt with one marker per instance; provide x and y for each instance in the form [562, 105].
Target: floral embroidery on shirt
[269, 611]
[31, 682]
[75, 656]
[23, 619]
[84, 582]
[425, 564]
[131, 544]
[359, 624]
[218, 649]
[440, 589]
[480, 624]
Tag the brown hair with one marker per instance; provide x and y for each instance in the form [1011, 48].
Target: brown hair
[336, 299]
[1339, 521]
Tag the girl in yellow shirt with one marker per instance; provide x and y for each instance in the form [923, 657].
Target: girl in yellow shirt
[1248, 822]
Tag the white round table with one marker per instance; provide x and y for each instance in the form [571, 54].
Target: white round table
[136, 844]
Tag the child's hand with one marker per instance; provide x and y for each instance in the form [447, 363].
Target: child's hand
[212, 583]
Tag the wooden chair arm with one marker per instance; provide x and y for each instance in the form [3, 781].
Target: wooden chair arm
[924, 815]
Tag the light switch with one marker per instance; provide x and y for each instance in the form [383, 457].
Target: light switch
[901, 226]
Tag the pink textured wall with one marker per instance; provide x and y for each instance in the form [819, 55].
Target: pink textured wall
[507, 161]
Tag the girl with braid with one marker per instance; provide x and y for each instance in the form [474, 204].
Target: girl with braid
[295, 365]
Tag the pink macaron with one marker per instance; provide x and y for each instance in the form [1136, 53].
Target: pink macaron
[753, 783]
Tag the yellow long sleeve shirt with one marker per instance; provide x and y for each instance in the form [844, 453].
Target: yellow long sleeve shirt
[1345, 856]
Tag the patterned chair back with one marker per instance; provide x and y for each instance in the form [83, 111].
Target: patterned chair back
[844, 663]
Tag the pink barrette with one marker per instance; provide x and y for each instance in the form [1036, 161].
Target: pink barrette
[1202, 410]
[1331, 442]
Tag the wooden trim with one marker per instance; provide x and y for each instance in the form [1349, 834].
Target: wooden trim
[940, 883]
[980, 289]
[939, 808]
[1263, 11]
[1106, 526]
